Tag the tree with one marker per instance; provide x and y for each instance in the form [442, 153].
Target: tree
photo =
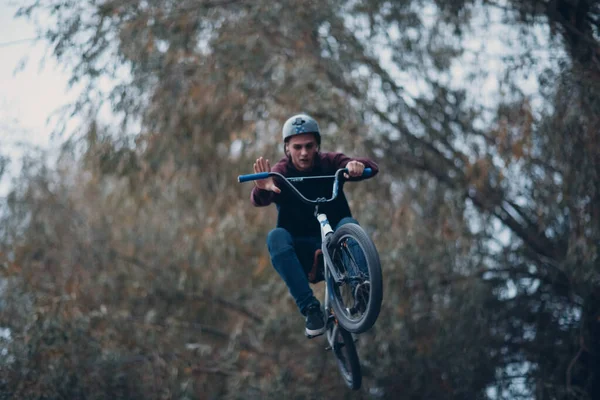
[489, 231]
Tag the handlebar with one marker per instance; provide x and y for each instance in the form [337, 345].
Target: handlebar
[287, 181]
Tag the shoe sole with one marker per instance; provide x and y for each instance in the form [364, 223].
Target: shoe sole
[310, 333]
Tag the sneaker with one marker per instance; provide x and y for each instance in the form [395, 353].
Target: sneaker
[315, 322]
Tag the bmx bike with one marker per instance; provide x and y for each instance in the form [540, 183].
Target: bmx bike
[352, 275]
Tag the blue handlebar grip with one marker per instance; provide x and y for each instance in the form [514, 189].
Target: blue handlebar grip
[253, 177]
[367, 172]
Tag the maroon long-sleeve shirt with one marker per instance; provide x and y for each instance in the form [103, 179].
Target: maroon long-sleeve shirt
[295, 216]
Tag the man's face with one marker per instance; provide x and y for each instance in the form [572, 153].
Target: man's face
[302, 149]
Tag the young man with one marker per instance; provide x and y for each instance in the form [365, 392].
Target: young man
[295, 243]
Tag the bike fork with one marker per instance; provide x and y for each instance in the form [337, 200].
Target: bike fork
[326, 232]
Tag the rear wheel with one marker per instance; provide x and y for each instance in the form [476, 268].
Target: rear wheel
[342, 345]
[357, 298]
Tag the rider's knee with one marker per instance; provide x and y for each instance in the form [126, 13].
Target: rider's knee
[347, 220]
[279, 239]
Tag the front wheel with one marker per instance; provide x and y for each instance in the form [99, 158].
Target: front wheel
[357, 298]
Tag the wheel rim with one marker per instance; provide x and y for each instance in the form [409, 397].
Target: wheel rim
[353, 294]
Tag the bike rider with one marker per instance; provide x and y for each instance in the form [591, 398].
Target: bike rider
[294, 245]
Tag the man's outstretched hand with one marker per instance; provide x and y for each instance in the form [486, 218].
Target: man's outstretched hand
[262, 165]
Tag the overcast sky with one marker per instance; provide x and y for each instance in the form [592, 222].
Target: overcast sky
[28, 96]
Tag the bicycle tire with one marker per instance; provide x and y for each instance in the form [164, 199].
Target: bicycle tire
[342, 310]
[342, 344]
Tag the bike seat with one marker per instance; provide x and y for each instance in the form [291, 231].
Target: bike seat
[316, 272]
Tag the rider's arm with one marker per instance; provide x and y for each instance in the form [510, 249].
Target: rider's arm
[340, 160]
[262, 198]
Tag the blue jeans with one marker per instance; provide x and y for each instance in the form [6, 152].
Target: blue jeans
[292, 258]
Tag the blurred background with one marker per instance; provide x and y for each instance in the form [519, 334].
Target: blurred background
[133, 265]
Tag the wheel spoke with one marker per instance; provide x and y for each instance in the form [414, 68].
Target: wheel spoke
[352, 277]
[356, 271]
[347, 358]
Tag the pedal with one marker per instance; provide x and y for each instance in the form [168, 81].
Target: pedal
[313, 336]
